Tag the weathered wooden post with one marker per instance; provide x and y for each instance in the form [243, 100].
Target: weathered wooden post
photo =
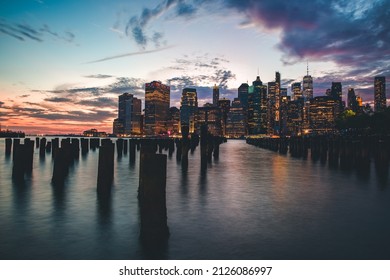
[16, 144]
[29, 154]
[8, 146]
[203, 146]
[119, 147]
[19, 162]
[125, 146]
[55, 146]
[61, 165]
[132, 150]
[105, 167]
[152, 195]
[42, 146]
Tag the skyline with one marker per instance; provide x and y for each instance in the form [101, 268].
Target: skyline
[61, 75]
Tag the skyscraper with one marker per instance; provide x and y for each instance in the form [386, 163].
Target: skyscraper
[243, 91]
[157, 98]
[296, 91]
[236, 120]
[257, 107]
[188, 109]
[336, 92]
[379, 93]
[307, 86]
[215, 95]
[352, 102]
[224, 105]
[129, 111]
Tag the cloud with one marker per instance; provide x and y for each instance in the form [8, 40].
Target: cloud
[58, 99]
[100, 102]
[130, 54]
[23, 32]
[1, 104]
[352, 33]
[137, 26]
[98, 76]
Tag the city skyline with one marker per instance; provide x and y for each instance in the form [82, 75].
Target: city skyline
[65, 76]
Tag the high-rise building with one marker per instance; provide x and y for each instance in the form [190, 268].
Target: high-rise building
[295, 115]
[257, 107]
[307, 86]
[379, 93]
[352, 102]
[224, 105]
[336, 92]
[188, 109]
[173, 123]
[129, 111]
[157, 98]
[215, 95]
[243, 91]
[211, 116]
[236, 120]
[323, 112]
[296, 91]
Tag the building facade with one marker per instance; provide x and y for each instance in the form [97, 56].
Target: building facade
[157, 99]
[189, 109]
[379, 93]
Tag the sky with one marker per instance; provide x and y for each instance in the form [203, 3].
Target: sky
[64, 63]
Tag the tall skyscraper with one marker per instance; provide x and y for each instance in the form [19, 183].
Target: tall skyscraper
[379, 93]
[215, 95]
[296, 91]
[336, 92]
[224, 105]
[129, 111]
[236, 120]
[257, 107]
[307, 86]
[243, 91]
[322, 114]
[157, 98]
[188, 109]
[352, 102]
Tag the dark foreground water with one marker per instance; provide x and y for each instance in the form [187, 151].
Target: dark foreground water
[250, 204]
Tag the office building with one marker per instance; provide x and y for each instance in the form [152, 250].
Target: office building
[157, 99]
[188, 109]
[379, 94]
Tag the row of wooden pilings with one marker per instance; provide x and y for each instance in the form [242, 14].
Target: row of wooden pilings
[337, 149]
[152, 171]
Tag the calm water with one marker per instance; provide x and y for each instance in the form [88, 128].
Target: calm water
[250, 204]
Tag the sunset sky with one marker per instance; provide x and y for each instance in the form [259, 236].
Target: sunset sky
[64, 63]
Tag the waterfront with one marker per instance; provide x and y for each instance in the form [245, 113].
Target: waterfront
[250, 204]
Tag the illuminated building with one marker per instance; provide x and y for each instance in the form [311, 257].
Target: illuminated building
[274, 106]
[211, 116]
[224, 105]
[129, 112]
[215, 95]
[379, 94]
[157, 98]
[94, 133]
[257, 107]
[173, 123]
[296, 91]
[323, 112]
[117, 127]
[295, 115]
[236, 120]
[307, 86]
[188, 109]
[283, 112]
